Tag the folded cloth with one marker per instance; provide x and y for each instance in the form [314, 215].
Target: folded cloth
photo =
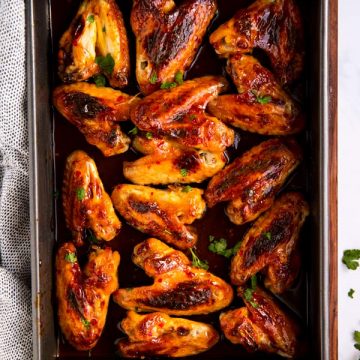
[15, 298]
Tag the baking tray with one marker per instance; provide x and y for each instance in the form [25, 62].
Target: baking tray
[313, 299]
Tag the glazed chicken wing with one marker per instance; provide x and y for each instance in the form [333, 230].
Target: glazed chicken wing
[261, 106]
[95, 112]
[252, 180]
[179, 288]
[83, 296]
[168, 163]
[161, 213]
[261, 325]
[167, 38]
[271, 245]
[85, 201]
[158, 334]
[95, 42]
[179, 114]
[275, 27]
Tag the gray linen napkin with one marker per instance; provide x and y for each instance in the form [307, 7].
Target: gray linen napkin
[15, 298]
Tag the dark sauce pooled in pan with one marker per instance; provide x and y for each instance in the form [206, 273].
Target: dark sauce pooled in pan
[215, 222]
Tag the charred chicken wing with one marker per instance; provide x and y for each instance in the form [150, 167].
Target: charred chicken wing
[179, 288]
[85, 201]
[167, 38]
[261, 106]
[158, 334]
[252, 180]
[95, 112]
[83, 296]
[95, 42]
[161, 213]
[261, 325]
[271, 245]
[275, 27]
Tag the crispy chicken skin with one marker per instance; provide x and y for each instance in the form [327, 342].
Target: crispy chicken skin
[166, 162]
[179, 288]
[252, 180]
[275, 27]
[271, 245]
[261, 106]
[263, 327]
[167, 38]
[85, 201]
[179, 114]
[161, 213]
[97, 30]
[158, 334]
[83, 295]
[95, 111]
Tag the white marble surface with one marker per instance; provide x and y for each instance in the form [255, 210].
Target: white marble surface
[349, 172]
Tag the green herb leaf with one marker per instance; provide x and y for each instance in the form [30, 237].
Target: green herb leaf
[90, 19]
[183, 172]
[179, 78]
[106, 63]
[168, 85]
[70, 257]
[357, 336]
[80, 193]
[211, 238]
[133, 131]
[261, 99]
[357, 346]
[253, 282]
[86, 323]
[100, 80]
[351, 258]
[220, 247]
[149, 135]
[267, 235]
[248, 295]
[351, 293]
[90, 237]
[187, 189]
[254, 304]
[153, 78]
[197, 262]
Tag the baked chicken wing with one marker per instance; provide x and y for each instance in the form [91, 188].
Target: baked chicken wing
[261, 325]
[271, 245]
[252, 180]
[275, 27]
[85, 201]
[167, 38]
[261, 106]
[161, 213]
[179, 288]
[83, 295]
[95, 42]
[158, 334]
[167, 162]
[95, 112]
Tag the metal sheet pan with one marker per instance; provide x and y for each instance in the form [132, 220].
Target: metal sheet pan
[40, 22]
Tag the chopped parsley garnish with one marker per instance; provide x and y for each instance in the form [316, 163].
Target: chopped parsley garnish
[179, 78]
[357, 339]
[90, 19]
[133, 131]
[220, 247]
[267, 235]
[187, 189]
[197, 262]
[90, 237]
[153, 78]
[100, 80]
[80, 193]
[86, 323]
[70, 257]
[149, 135]
[106, 63]
[249, 292]
[168, 85]
[351, 293]
[183, 172]
[261, 99]
[351, 258]
[253, 282]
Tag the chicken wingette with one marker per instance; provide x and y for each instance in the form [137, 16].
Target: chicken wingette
[275, 27]
[83, 295]
[261, 325]
[85, 202]
[252, 180]
[271, 245]
[179, 288]
[95, 112]
[161, 213]
[167, 38]
[96, 42]
[158, 334]
[261, 106]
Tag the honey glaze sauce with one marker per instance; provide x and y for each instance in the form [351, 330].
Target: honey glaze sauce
[215, 222]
